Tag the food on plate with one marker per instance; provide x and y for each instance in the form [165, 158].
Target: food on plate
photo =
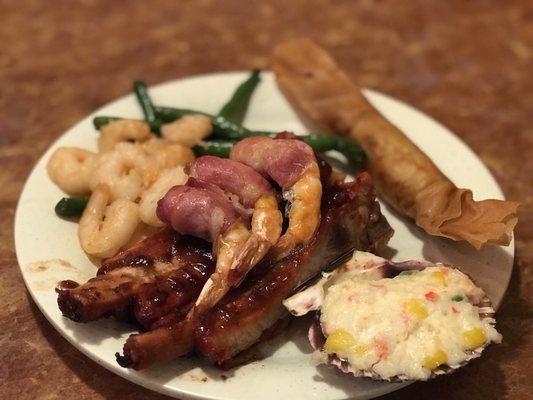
[154, 279]
[402, 173]
[134, 164]
[137, 280]
[189, 130]
[106, 224]
[205, 254]
[202, 208]
[121, 131]
[396, 321]
[292, 164]
[71, 169]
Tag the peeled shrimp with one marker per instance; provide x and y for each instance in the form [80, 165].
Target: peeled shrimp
[292, 164]
[119, 170]
[120, 131]
[71, 168]
[189, 130]
[164, 155]
[149, 198]
[107, 225]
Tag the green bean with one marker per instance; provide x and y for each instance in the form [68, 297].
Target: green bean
[219, 148]
[222, 127]
[147, 106]
[170, 114]
[350, 149]
[226, 129]
[69, 207]
[98, 122]
[235, 108]
[320, 143]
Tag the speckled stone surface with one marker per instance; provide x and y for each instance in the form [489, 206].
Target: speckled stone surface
[468, 64]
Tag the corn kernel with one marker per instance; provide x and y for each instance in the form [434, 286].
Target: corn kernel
[439, 357]
[359, 349]
[339, 340]
[416, 308]
[342, 341]
[439, 277]
[474, 338]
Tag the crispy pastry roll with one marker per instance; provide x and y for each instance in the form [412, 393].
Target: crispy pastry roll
[405, 177]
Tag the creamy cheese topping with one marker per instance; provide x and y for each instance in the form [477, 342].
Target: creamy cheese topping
[408, 325]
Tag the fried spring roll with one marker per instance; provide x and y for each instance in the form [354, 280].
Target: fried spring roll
[404, 176]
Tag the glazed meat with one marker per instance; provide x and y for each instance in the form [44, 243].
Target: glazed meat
[351, 219]
[156, 276]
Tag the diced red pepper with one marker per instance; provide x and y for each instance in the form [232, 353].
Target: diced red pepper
[382, 347]
[431, 296]
[455, 310]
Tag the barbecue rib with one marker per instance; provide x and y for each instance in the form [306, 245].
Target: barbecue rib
[156, 276]
[351, 219]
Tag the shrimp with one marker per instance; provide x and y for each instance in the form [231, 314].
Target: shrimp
[240, 249]
[119, 170]
[164, 155]
[292, 164]
[189, 130]
[71, 168]
[149, 198]
[228, 249]
[120, 131]
[106, 225]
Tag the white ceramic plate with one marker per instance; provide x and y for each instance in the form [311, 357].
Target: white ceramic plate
[48, 251]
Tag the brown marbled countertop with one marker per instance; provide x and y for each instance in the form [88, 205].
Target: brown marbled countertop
[468, 64]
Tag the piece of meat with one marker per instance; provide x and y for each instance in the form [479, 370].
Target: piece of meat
[283, 160]
[158, 274]
[351, 219]
[197, 208]
[233, 177]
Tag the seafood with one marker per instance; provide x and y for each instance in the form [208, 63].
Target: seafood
[202, 209]
[71, 169]
[119, 171]
[254, 192]
[149, 198]
[163, 155]
[189, 130]
[121, 131]
[106, 224]
[350, 218]
[292, 164]
[396, 321]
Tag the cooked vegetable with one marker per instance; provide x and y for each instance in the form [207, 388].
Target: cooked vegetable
[236, 106]
[98, 122]
[69, 207]
[219, 148]
[170, 114]
[147, 106]
[226, 129]
[323, 142]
